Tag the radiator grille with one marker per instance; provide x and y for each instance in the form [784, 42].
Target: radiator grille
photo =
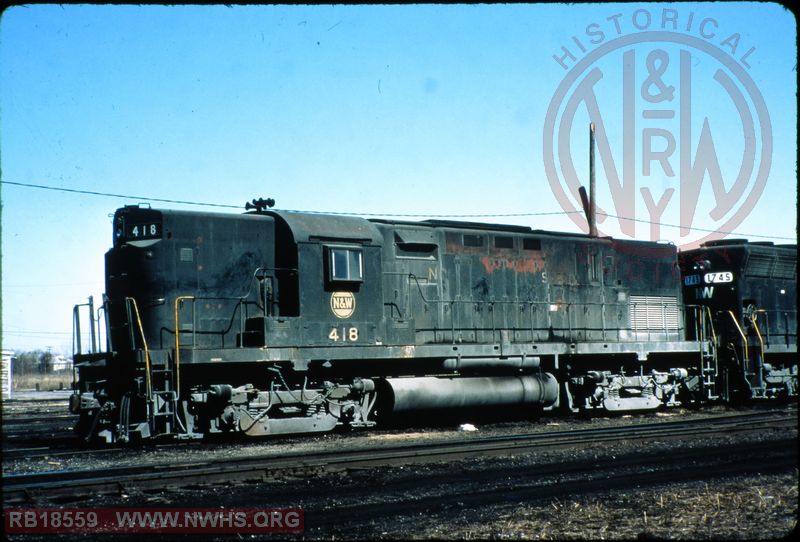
[653, 313]
[759, 265]
[781, 266]
[785, 267]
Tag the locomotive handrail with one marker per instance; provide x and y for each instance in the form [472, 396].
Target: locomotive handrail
[106, 323]
[265, 270]
[744, 340]
[242, 305]
[703, 312]
[711, 323]
[240, 302]
[758, 331]
[761, 342]
[715, 344]
[664, 326]
[76, 331]
[178, 301]
[76, 327]
[784, 334]
[131, 302]
[787, 328]
[766, 327]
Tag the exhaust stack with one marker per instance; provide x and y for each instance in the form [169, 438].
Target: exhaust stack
[589, 203]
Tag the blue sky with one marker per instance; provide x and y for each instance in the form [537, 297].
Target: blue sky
[428, 109]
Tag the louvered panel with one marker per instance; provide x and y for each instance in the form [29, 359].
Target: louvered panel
[785, 267]
[653, 313]
[759, 265]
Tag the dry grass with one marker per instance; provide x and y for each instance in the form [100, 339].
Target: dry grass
[759, 508]
[49, 382]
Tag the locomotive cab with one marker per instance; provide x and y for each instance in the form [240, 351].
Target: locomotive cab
[329, 277]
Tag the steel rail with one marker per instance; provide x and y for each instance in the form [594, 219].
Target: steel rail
[33, 452]
[595, 478]
[53, 484]
[10, 421]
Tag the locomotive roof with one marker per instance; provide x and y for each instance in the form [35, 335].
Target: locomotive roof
[505, 228]
[742, 243]
[459, 225]
[310, 227]
[307, 227]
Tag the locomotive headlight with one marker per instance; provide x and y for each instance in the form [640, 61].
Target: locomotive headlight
[119, 228]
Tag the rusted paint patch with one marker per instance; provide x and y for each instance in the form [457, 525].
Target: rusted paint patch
[517, 265]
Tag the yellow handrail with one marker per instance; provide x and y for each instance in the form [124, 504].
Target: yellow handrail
[758, 331]
[148, 385]
[178, 300]
[711, 323]
[744, 339]
[761, 342]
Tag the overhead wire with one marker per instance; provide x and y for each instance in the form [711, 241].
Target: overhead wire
[340, 213]
[391, 215]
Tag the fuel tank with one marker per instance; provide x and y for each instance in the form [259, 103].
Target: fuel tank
[424, 393]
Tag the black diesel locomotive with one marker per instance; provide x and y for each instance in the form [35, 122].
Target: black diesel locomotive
[749, 293]
[276, 322]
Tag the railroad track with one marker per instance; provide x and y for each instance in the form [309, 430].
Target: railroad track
[13, 421]
[75, 484]
[27, 416]
[27, 431]
[546, 483]
[18, 404]
[37, 423]
[67, 449]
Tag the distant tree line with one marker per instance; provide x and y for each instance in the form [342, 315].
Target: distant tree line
[33, 362]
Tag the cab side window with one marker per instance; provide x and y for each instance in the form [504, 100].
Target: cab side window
[345, 264]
